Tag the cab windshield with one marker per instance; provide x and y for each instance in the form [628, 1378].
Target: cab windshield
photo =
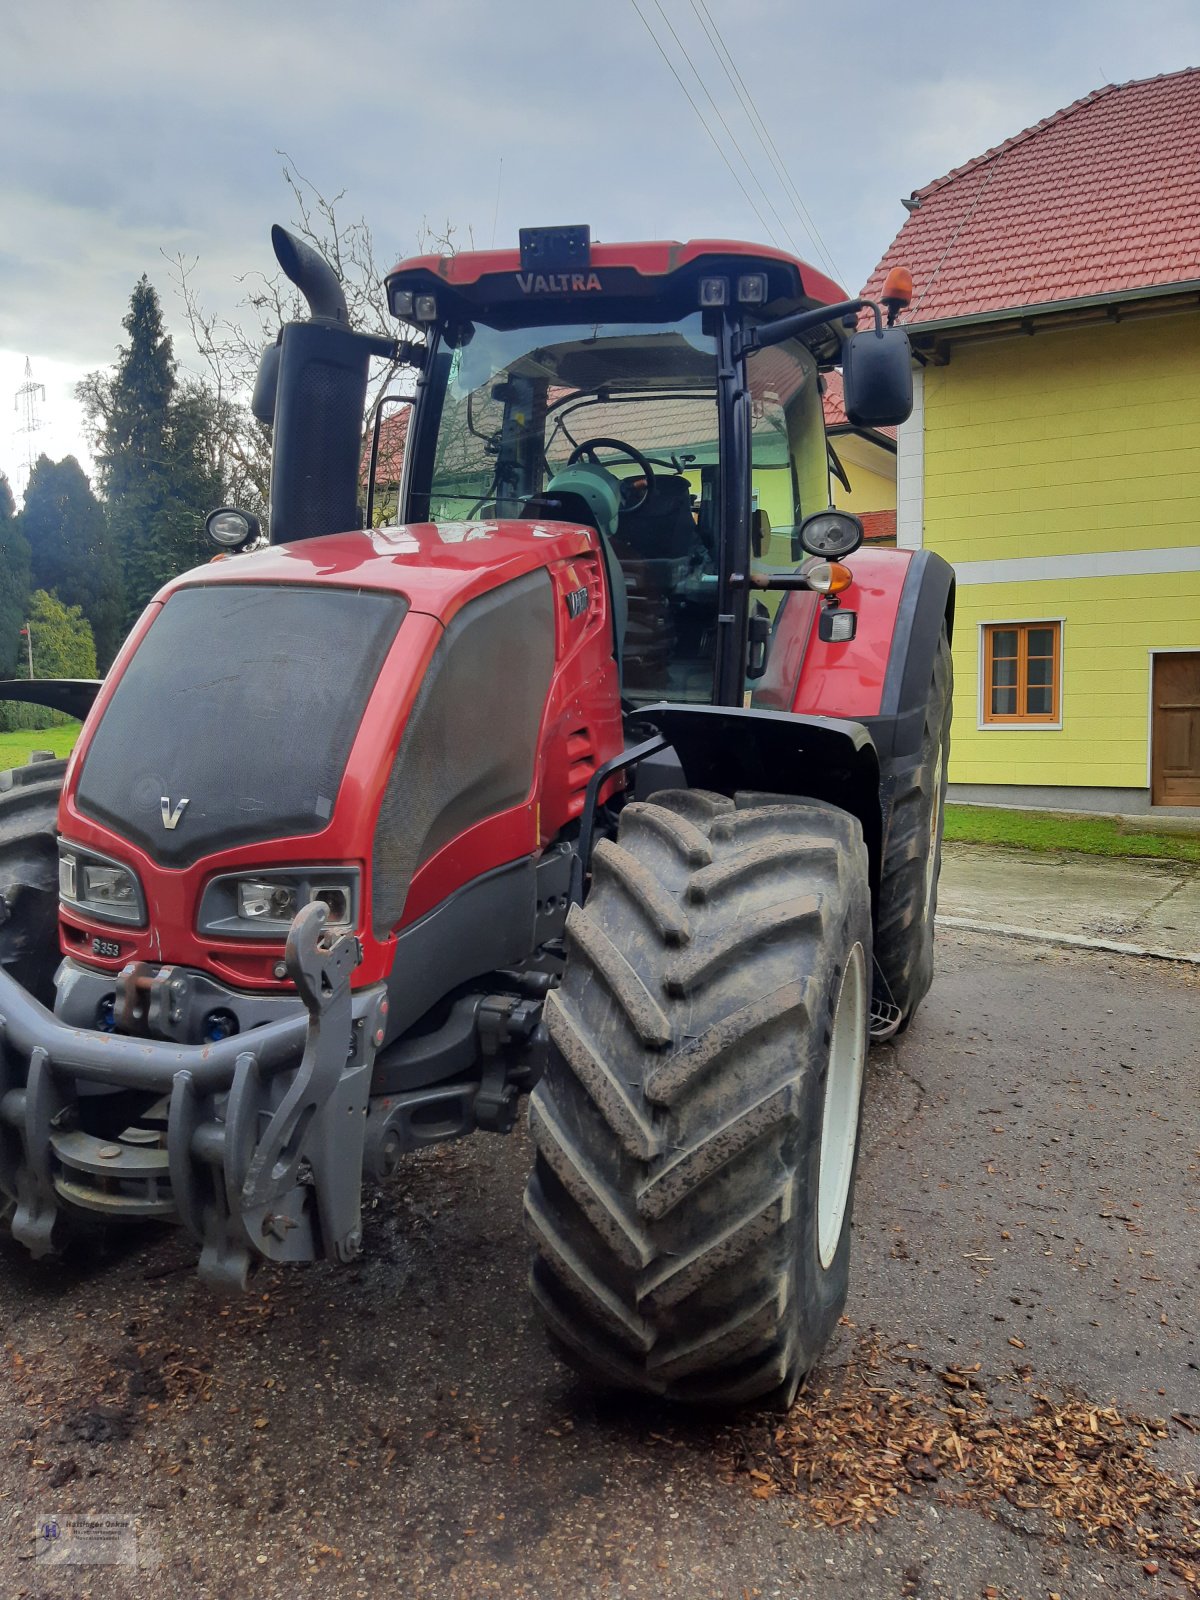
[518, 405]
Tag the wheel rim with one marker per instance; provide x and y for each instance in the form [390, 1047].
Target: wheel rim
[843, 1091]
[935, 817]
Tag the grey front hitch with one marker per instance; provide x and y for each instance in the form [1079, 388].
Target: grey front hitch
[254, 1143]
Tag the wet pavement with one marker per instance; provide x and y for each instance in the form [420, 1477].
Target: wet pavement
[1113, 899]
[1031, 1173]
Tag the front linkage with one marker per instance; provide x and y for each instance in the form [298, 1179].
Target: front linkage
[264, 1131]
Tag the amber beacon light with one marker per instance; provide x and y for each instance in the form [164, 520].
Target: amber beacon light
[897, 292]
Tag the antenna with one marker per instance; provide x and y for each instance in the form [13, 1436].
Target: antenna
[26, 402]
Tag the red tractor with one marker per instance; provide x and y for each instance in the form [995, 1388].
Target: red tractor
[610, 770]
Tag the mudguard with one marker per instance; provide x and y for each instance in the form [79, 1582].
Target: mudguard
[728, 748]
[881, 677]
[926, 602]
[74, 696]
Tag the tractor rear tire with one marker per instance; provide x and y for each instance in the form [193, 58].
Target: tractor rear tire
[29, 875]
[912, 858]
[697, 1126]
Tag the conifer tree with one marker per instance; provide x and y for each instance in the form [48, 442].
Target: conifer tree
[14, 583]
[155, 468]
[67, 533]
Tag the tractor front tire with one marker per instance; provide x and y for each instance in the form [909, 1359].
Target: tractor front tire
[912, 858]
[697, 1126]
[29, 875]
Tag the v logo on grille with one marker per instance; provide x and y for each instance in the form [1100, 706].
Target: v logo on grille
[171, 814]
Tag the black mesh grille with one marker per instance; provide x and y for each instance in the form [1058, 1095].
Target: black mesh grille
[243, 700]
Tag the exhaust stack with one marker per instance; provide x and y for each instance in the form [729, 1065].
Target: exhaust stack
[312, 385]
[312, 275]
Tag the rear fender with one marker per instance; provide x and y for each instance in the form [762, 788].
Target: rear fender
[728, 748]
[74, 696]
[881, 677]
[926, 603]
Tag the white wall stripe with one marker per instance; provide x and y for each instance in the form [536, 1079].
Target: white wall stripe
[1098, 564]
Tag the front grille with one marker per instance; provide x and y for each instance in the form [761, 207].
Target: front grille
[238, 711]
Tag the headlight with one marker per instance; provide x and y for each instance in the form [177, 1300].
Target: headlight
[99, 888]
[232, 528]
[265, 902]
[262, 905]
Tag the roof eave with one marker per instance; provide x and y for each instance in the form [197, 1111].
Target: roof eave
[1047, 308]
[871, 435]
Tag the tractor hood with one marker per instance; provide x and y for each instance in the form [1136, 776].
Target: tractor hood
[238, 710]
[230, 716]
[436, 567]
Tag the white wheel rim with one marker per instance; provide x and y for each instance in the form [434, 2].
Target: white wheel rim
[843, 1092]
[935, 817]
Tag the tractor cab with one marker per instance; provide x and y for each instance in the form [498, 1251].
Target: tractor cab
[667, 395]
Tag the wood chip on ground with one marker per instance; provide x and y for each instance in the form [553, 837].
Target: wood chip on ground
[885, 1425]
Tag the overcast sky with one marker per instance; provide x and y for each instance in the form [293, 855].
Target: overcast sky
[132, 130]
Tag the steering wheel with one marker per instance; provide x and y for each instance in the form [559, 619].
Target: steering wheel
[586, 451]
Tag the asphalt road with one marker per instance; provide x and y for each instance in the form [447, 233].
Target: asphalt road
[1030, 1172]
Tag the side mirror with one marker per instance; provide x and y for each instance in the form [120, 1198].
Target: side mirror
[266, 385]
[877, 382]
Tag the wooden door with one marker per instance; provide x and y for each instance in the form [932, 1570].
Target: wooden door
[1175, 736]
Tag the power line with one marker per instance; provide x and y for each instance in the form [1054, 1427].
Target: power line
[729, 66]
[721, 116]
[704, 123]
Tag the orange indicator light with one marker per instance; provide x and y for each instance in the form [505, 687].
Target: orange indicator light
[828, 577]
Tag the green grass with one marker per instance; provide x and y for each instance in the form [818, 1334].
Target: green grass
[1050, 830]
[1022, 830]
[15, 748]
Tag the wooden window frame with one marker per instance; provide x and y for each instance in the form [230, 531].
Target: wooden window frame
[1051, 720]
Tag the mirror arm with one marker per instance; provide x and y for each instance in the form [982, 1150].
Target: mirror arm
[770, 333]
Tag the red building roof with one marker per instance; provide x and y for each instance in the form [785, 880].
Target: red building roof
[879, 527]
[393, 435]
[1100, 198]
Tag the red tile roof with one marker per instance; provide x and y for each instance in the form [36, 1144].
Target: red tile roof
[833, 403]
[393, 434]
[1102, 196]
[879, 527]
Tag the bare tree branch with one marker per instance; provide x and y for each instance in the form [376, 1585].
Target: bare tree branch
[230, 349]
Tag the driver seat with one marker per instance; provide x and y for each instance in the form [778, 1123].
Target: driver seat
[662, 528]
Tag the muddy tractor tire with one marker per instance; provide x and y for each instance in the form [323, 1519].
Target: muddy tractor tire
[29, 875]
[912, 857]
[696, 1129]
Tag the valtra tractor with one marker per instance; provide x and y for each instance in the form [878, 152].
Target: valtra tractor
[609, 770]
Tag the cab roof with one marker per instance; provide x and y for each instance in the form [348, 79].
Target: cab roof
[498, 285]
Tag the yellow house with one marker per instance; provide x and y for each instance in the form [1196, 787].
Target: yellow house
[1053, 454]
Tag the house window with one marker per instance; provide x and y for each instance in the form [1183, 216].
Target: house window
[1021, 673]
